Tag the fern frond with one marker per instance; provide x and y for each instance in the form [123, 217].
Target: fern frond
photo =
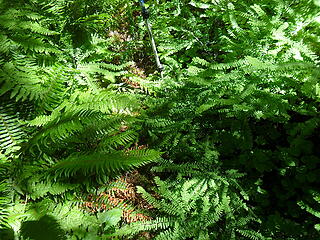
[103, 101]
[168, 235]
[11, 129]
[45, 86]
[136, 227]
[147, 196]
[251, 234]
[120, 139]
[87, 115]
[6, 44]
[37, 188]
[312, 210]
[159, 122]
[4, 204]
[100, 163]
[193, 202]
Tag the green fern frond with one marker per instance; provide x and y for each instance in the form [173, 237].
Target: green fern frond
[89, 69]
[101, 101]
[96, 115]
[100, 163]
[155, 202]
[159, 122]
[16, 81]
[169, 234]
[4, 204]
[251, 234]
[120, 139]
[6, 44]
[59, 132]
[11, 129]
[312, 210]
[37, 188]
[37, 45]
[136, 227]
[13, 19]
[187, 204]
[46, 87]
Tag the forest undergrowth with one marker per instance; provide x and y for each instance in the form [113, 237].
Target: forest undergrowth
[95, 145]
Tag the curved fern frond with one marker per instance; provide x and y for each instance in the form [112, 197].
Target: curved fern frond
[100, 163]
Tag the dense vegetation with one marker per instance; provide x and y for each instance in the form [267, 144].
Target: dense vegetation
[94, 144]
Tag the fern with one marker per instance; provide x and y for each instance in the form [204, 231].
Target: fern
[241, 91]
[102, 164]
[13, 21]
[46, 89]
[189, 204]
[120, 139]
[66, 220]
[250, 234]
[11, 129]
[4, 204]
[85, 118]
[312, 210]
[80, 128]
[39, 187]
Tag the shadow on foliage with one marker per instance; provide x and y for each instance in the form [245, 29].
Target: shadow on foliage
[46, 227]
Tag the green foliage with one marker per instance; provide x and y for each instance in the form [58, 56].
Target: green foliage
[45, 226]
[103, 163]
[242, 86]
[198, 209]
[240, 94]
[66, 221]
[4, 203]
[11, 129]
[316, 213]
[64, 125]
[71, 109]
